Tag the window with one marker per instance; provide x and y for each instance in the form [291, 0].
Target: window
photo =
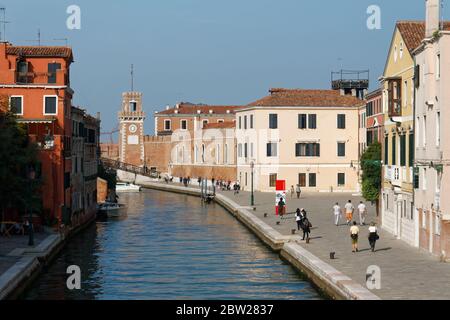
[52, 69]
[251, 121]
[438, 66]
[273, 121]
[341, 179]
[341, 149]
[302, 121]
[133, 106]
[312, 121]
[246, 179]
[251, 150]
[246, 150]
[245, 122]
[406, 92]
[203, 153]
[438, 129]
[394, 151]
[240, 122]
[225, 155]
[312, 180]
[307, 150]
[403, 150]
[167, 125]
[16, 105]
[183, 124]
[386, 150]
[204, 123]
[341, 121]
[273, 180]
[302, 179]
[424, 179]
[240, 150]
[220, 121]
[50, 105]
[394, 98]
[272, 149]
[424, 130]
[411, 150]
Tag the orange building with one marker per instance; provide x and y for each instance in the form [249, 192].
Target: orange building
[37, 81]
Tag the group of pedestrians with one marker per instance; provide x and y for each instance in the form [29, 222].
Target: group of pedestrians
[349, 210]
[303, 223]
[185, 181]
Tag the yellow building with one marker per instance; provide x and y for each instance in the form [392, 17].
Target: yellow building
[398, 213]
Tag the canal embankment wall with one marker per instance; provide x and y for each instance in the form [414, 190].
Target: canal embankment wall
[330, 281]
[32, 261]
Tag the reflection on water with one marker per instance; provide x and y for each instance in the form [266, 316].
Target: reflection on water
[171, 247]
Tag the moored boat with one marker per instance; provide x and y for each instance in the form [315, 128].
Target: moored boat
[127, 187]
[112, 210]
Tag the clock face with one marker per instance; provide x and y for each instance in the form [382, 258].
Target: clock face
[132, 128]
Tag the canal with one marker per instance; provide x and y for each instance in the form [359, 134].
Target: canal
[171, 246]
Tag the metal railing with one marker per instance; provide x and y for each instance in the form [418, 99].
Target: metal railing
[117, 165]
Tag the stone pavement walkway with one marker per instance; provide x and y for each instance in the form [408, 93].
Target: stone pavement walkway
[406, 272]
[8, 246]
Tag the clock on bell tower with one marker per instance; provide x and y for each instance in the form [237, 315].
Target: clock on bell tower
[131, 134]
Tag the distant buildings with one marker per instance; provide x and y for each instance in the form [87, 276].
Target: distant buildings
[306, 137]
[37, 81]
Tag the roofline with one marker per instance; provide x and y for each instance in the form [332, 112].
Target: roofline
[249, 108]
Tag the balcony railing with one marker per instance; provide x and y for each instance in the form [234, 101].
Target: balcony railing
[40, 77]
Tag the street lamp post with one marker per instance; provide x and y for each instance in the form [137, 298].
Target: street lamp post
[252, 197]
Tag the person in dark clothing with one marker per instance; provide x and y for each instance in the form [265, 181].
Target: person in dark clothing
[373, 236]
[281, 205]
[298, 219]
[305, 224]
[199, 180]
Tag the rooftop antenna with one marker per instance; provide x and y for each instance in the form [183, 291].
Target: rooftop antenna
[62, 39]
[3, 22]
[39, 37]
[132, 78]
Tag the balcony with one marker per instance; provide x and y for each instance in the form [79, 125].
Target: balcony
[394, 98]
[394, 174]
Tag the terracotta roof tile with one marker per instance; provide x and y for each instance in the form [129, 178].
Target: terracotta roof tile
[204, 109]
[306, 98]
[413, 32]
[222, 125]
[40, 51]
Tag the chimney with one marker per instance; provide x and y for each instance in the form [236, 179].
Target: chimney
[432, 17]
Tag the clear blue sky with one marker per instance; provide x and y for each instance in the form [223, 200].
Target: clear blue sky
[208, 51]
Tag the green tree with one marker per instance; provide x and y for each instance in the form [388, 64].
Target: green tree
[17, 156]
[371, 177]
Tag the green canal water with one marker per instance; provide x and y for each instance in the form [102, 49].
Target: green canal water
[171, 246]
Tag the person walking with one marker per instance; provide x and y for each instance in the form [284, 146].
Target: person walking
[349, 209]
[299, 191]
[306, 226]
[199, 180]
[362, 210]
[373, 236]
[354, 234]
[281, 205]
[337, 213]
[298, 219]
[292, 191]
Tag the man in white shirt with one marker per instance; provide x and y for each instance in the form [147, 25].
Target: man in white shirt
[349, 209]
[337, 213]
[362, 210]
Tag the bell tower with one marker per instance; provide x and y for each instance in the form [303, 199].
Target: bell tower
[131, 134]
